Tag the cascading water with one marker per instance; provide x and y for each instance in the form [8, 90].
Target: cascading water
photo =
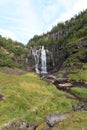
[40, 60]
[36, 57]
[43, 61]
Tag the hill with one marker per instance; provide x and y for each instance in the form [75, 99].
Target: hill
[12, 53]
[68, 43]
[70, 30]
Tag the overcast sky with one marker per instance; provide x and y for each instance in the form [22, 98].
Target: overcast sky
[22, 19]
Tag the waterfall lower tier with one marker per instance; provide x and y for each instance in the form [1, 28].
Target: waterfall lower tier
[36, 58]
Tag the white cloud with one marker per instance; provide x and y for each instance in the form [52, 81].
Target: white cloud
[23, 20]
[8, 34]
[30, 22]
[2, 2]
[11, 19]
[71, 8]
[49, 12]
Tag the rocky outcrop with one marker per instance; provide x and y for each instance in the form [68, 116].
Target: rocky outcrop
[57, 57]
[54, 35]
[51, 120]
[58, 53]
[83, 44]
[54, 58]
[19, 125]
[64, 86]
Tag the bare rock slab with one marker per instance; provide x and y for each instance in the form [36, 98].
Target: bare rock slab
[51, 120]
[64, 86]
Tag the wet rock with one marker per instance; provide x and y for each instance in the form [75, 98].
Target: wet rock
[51, 120]
[53, 79]
[61, 80]
[58, 80]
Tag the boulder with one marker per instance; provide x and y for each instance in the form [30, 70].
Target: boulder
[20, 125]
[61, 80]
[51, 120]
[64, 86]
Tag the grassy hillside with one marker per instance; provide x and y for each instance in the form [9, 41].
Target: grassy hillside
[12, 53]
[76, 121]
[29, 98]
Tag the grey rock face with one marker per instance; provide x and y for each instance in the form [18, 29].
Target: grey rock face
[54, 58]
[51, 120]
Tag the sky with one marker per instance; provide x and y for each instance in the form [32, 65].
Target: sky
[20, 20]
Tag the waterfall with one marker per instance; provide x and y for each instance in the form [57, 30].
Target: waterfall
[40, 60]
[36, 57]
[43, 61]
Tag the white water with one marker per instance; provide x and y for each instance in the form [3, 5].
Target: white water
[43, 61]
[36, 57]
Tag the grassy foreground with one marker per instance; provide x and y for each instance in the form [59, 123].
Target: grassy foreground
[29, 98]
[76, 121]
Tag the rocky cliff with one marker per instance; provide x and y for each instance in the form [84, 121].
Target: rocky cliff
[65, 44]
[54, 58]
[73, 54]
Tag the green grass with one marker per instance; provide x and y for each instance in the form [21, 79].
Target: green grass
[79, 75]
[29, 98]
[76, 121]
[80, 92]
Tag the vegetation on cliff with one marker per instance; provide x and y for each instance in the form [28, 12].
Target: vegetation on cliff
[70, 38]
[12, 53]
[69, 31]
